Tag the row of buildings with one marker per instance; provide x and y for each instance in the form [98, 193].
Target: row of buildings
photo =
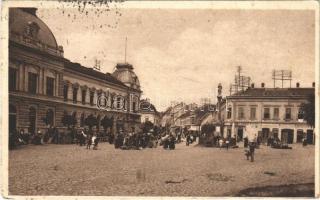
[253, 112]
[44, 86]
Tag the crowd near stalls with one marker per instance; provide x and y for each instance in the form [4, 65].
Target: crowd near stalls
[149, 136]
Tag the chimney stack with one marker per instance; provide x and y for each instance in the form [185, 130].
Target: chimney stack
[262, 85]
[252, 85]
[298, 85]
[313, 84]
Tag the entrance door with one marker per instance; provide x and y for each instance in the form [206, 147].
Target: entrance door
[32, 120]
[287, 136]
[12, 118]
[310, 136]
[240, 134]
[265, 134]
[275, 132]
[299, 136]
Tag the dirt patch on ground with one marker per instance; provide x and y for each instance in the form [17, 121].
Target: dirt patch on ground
[292, 190]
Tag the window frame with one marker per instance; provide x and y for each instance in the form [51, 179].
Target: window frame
[48, 79]
[255, 113]
[286, 113]
[33, 89]
[266, 115]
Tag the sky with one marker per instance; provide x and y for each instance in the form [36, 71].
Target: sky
[183, 54]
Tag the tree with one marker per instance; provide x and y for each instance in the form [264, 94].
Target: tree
[107, 122]
[91, 121]
[308, 109]
[69, 120]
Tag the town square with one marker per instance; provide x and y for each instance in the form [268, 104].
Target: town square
[109, 99]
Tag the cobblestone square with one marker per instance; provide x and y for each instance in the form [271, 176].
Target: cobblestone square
[185, 171]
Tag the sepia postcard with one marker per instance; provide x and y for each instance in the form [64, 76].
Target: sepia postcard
[159, 99]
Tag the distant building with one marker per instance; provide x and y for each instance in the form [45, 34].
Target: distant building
[149, 112]
[267, 112]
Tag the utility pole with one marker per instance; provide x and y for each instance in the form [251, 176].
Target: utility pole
[125, 52]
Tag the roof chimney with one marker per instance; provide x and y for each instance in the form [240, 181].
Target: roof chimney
[30, 10]
[252, 85]
[313, 84]
[262, 85]
[297, 84]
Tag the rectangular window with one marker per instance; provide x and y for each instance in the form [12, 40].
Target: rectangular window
[241, 113]
[229, 111]
[32, 82]
[75, 94]
[266, 113]
[65, 92]
[50, 86]
[12, 79]
[288, 114]
[300, 114]
[276, 113]
[252, 113]
[83, 99]
[91, 97]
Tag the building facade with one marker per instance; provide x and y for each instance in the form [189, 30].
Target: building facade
[265, 112]
[44, 86]
[149, 113]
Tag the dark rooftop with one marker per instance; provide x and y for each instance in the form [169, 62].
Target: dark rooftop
[107, 77]
[275, 92]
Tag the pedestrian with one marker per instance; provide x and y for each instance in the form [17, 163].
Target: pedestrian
[252, 146]
[220, 143]
[304, 142]
[89, 141]
[227, 144]
[245, 142]
[188, 140]
[95, 141]
[82, 138]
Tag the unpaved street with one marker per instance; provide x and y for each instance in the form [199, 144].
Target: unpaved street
[187, 171]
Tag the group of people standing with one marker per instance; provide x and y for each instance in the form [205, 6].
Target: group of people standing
[136, 140]
[23, 137]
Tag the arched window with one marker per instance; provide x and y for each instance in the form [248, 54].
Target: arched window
[32, 120]
[12, 118]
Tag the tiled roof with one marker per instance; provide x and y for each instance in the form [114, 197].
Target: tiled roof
[275, 92]
[107, 77]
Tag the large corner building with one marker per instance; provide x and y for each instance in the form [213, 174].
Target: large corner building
[44, 86]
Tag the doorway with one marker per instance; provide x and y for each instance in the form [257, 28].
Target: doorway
[287, 136]
[12, 118]
[310, 136]
[299, 136]
[240, 134]
[32, 120]
[265, 134]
